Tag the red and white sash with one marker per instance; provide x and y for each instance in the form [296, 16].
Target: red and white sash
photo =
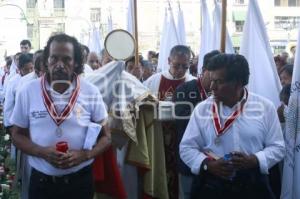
[59, 118]
[201, 89]
[219, 129]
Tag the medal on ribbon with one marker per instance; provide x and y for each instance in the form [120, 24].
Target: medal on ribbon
[50, 106]
[219, 129]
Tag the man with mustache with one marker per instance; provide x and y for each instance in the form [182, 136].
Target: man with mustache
[57, 119]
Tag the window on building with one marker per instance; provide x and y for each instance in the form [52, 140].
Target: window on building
[59, 3]
[287, 3]
[239, 1]
[239, 26]
[278, 49]
[31, 3]
[287, 22]
[95, 14]
[294, 3]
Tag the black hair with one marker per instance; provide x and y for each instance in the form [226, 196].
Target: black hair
[180, 49]
[146, 64]
[24, 58]
[288, 68]
[84, 47]
[17, 54]
[38, 52]
[38, 61]
[25, 42]
[151, 52]
[208, 56]
[8, 60]
[78, 57]
[285, 91]
[132, 59]
[285, 94]
[237, 67]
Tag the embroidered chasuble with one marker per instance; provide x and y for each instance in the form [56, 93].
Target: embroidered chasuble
[166, 90]
[148, 154]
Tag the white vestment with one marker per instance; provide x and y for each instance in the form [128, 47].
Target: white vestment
[153, 82]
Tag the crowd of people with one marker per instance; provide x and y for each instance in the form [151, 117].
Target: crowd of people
[219, 145]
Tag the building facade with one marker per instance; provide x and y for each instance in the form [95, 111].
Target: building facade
[38, 19]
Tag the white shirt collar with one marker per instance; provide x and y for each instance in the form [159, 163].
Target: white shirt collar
[168, 75]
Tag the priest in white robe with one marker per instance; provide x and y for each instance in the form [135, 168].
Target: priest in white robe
[163, 85]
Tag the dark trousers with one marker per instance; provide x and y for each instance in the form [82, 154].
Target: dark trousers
[78, 185]
[248, 184]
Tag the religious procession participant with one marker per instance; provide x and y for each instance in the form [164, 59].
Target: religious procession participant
[5, 74]
[232, 138]
[85, 53]
[186, 97]
[58, 129]
[163, 85]
[13, 70]
[25, 66]
[23, 169]
[93, 60]
[25, 46]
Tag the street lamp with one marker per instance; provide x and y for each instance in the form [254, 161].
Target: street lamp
[22, 11]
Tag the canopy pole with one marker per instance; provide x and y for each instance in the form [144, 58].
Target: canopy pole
[223, 30]
[136, 33]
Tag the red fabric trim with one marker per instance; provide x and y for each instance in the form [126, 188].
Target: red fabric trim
[229, 121]
[58, 119]
[107, 176]
[168, 86]
[201, 89]
[146, 196]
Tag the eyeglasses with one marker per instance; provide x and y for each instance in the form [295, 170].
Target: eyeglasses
[183, 66]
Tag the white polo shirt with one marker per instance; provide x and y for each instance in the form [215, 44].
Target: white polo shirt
[30, 112]
[9, 99]
[256, 131]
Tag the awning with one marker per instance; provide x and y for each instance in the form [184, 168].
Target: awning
[239, 15]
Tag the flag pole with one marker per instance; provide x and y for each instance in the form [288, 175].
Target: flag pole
[136, 33]
[223, 30]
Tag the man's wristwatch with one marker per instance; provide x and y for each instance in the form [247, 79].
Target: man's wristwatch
[204, 164]
[205, 168]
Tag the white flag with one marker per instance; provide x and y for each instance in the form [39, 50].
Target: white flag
[95, 41]
[256, 48]
[206, 32]
[130, 17]
[109, 23]
[291, 171]
[181, 27]
[217, 28]
[168, 40]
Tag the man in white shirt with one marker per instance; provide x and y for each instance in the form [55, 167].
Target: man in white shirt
[58, 107]
[233, 137]
[25, 66]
